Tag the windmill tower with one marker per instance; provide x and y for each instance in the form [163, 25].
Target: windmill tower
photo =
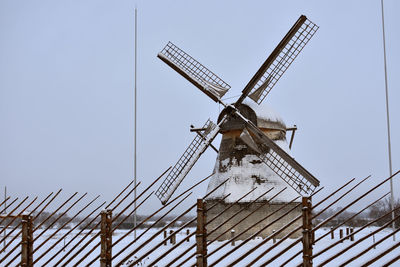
[244, 132]
[249, 181]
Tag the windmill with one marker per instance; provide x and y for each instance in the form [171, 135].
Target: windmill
[281, 163]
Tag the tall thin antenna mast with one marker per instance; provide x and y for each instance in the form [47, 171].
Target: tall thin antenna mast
[388, 121]
[134, 163]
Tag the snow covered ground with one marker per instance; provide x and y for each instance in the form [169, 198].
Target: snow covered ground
[319, 246]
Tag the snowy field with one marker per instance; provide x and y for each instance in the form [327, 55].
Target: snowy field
[320, 245]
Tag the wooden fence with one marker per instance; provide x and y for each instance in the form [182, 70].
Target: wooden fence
[95, 239]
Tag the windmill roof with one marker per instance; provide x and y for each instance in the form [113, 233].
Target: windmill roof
[266, 116]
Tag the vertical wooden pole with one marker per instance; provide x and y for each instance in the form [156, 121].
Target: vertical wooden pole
[201, 234]
[27, 242]
[106, 238]
[351, 234]
[307, 232]
[172, 237]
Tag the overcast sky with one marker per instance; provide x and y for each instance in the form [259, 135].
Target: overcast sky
[67, 81]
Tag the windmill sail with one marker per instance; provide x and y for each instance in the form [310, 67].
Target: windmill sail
[194, 71]
[280, 162]
[279, 60]
[186, 161]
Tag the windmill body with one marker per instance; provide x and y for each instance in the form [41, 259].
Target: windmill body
[245, 172]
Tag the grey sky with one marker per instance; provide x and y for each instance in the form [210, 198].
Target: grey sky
[66, 88]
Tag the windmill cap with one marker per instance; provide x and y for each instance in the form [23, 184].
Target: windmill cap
[261, 115]
[267, 117]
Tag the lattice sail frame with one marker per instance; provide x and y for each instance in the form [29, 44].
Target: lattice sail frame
[280, 162]
[186, 161]
[281, 58]
[194, 71]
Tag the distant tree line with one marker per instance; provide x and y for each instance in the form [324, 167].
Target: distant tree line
[374, 212]
[45, 221]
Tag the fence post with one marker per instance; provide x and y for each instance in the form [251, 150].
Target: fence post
[172, 237]
[201, 234]
[106, 238]
[307, 232]
[27, 241]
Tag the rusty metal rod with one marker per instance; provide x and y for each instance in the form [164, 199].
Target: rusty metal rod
[73, 238]
[9, 205]
[286, 237]
[282, 228]
[160, 209]
[150, 227]
[61, 227]
[227, 230]
[389, 263]
[97, 224]
[4, 201]
[89, 224]
[280, 253]
[13, 219]
[369, 191]
[14, 209]
[115, 227]
[337, 226]
[339, 198]
[355, 232]
[371, 247]
[327, 233]
[17, 216]
[242, 209]
[153, 236]
[10, 252]
[362, 239]
[126, 196]
[59, 216]
[194, 232]
[130, 213]
[370, 262]
[54, 212]
[48, 227]
[16, 235]
[193, 206]
[47, 204]
[221, 224]
[134, 227]
[342, 210]
[333, 193]
[231, 205]
[255, 234]
[207, 196]
[130, 204]
[174, 247]
[16, 227]
[174, 232]
[116, 217]
[283, 252]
